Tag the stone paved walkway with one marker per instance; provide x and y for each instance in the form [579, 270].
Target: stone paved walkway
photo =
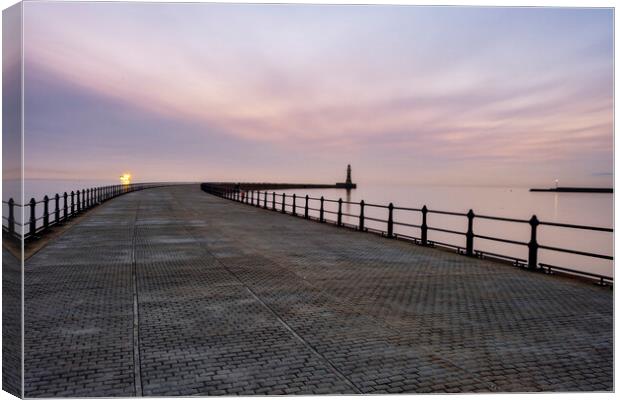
[172, 291]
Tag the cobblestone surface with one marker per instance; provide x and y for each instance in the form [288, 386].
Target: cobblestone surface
[11, 323]
[172, 291]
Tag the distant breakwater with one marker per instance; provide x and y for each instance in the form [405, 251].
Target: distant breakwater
[283, 186]
[575, 190]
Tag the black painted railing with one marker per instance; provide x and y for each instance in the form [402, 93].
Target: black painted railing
[56, 210]
[301, 207]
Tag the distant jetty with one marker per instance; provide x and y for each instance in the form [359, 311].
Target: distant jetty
[348, 184]
[575, 190]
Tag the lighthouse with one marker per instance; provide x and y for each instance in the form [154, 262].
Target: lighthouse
[348, 184]
[349, 181]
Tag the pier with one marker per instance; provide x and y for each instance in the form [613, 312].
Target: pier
[174, 291]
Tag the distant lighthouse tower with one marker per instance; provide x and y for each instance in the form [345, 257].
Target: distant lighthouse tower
[348, 184]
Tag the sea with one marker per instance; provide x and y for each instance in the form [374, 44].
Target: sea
[588, 209]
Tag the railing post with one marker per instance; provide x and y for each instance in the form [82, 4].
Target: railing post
[283, 203]
[361, 217]
[273, 201]
[78, 202]
[72, 202]
[65, 208]
[88, 201]
[532, 260]
[390, 221]
[265, 201]
[57, 209]
[469, 236]
[340, 211]
[33, 219]
[306, 208]
[294, 204]
[46, 212]
[424, 227]
[11, 221]
[321, 219]
[84, 196]
[252, 197]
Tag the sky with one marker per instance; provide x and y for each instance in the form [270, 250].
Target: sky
[294, 93]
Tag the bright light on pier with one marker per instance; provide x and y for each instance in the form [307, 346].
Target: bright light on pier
[125, 179]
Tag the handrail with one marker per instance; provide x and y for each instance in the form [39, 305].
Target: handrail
[302, 208]
[58, 209]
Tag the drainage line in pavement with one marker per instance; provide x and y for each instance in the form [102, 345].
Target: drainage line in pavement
[136, 318]
[272, 312]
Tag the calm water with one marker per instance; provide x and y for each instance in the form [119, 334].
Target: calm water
[573, 208]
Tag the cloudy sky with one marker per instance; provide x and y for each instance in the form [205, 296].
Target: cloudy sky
[494, 96]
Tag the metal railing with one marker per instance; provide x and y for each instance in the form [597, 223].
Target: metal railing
[58, 209]
[290, 204]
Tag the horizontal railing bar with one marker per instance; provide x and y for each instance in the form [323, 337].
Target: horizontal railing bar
[590, 228]
[375, 219]
[447, 213]
[581, 253]
[446, 230]
[407, 209]
[375, 205]
[15, 204]
[406, 224]
[501, 240]
[502, 219]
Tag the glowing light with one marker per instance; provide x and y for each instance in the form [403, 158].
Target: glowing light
[125, 179]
